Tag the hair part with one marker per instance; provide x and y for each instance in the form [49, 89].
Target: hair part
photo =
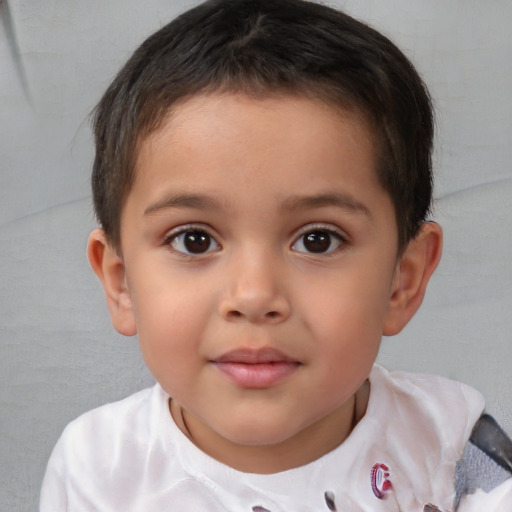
[260, 48]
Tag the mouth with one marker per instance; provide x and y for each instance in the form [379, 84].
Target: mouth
[256, 369]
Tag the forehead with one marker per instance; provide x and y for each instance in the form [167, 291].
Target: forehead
[243, 132]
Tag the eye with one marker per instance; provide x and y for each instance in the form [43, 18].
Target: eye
[318, 241]
[193, 241]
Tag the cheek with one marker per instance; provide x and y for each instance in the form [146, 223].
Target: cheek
[352, 299]
[345, 314]
[170, 323]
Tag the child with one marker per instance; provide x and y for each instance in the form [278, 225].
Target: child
[263, 182]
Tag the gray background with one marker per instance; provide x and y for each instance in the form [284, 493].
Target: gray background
[60, 356]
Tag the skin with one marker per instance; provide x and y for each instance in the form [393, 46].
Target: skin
[253, 177]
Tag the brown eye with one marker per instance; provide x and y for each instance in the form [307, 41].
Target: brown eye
[318, 241]
[193, 242]
[196, 242]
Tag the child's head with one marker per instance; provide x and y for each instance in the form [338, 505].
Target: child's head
[263, 48]
[254, 159]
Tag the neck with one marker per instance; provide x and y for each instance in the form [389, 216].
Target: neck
[302, 448]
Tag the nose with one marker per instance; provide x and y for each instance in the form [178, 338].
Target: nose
[256, 291]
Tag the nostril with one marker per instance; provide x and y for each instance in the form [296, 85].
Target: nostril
[272, 314]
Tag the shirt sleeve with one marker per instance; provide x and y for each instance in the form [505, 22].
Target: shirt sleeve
[53, 491]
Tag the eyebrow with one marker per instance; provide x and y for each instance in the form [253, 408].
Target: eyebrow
[197, 201]
[344, 201]
[294, 203]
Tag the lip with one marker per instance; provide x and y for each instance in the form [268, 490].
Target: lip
[256, 369]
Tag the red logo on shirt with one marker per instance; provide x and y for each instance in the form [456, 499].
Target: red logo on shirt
[380, 480]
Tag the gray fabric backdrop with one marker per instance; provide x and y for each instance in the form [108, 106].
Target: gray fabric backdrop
[59, 355]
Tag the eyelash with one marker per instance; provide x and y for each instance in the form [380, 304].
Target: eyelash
[332, 233]
[174, 235]
[314, 229]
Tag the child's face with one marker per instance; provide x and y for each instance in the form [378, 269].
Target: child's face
[259, 254]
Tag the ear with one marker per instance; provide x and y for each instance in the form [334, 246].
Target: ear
[412, 275]
[108, 265]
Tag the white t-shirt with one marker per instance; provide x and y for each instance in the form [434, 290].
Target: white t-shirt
[130, 456]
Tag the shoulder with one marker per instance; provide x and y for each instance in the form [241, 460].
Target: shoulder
[443, 404]
[425, 385]
[424, 423]
[106, 451]
[126, 419]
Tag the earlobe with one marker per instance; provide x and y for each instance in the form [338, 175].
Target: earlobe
[413, 273]
[109, 267]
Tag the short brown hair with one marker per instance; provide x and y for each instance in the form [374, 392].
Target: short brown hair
[262, 47]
